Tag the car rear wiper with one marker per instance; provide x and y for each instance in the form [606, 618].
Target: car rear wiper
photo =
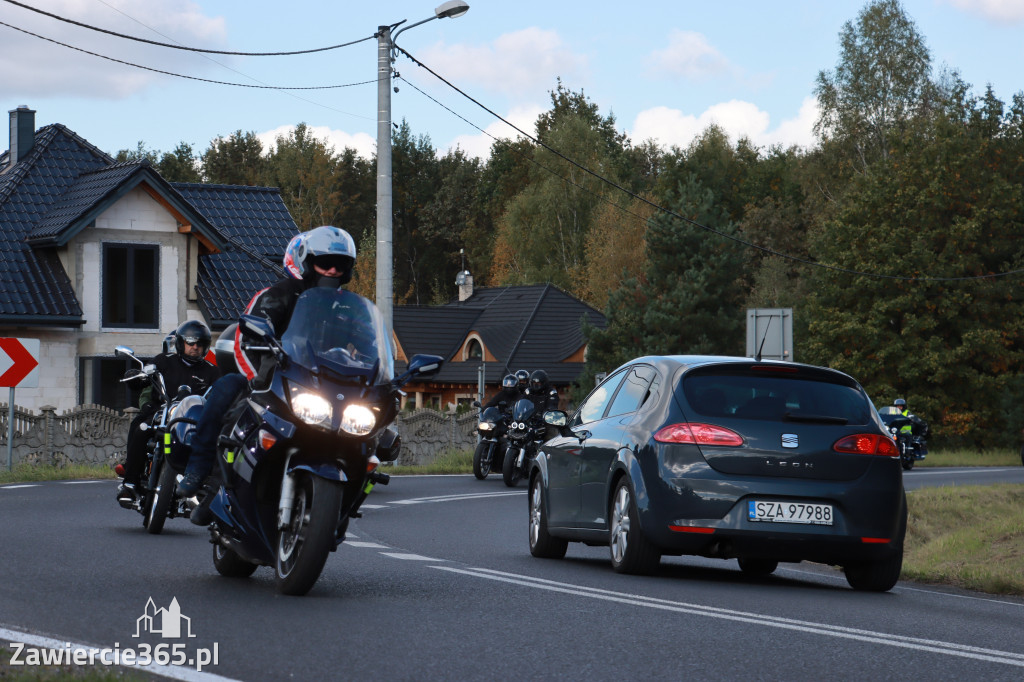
[817, 418]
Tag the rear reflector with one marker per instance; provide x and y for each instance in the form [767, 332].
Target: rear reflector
[875, 541]
[698, 434]
[691, 529]
[867, 444]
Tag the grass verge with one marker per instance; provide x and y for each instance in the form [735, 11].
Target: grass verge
[23, 473]
[970, 458]
[971, 537]
[79, 673]
[446, 462]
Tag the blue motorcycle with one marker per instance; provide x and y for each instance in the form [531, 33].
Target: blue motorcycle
[303, 447]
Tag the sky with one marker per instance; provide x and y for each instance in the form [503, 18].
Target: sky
[664, 69]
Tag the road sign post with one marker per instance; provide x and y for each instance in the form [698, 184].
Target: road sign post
[19, 362]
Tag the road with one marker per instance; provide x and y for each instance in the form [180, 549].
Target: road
[436, 582]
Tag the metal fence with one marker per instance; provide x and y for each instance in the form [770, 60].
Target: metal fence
[93, 434]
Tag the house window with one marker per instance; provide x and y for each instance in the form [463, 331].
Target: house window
[474, 350]
[101, 383]
[130, 292]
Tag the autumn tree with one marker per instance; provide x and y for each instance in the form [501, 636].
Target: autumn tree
[234, 160]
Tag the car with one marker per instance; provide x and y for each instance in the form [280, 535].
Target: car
[759, 461]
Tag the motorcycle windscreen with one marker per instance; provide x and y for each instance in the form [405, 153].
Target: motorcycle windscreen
[342, 331]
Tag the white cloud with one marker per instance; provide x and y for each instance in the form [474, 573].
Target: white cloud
[671, 127]
[997, 11]
[690, 56]
[32, 66]
[523, 62]
[479, 145]
[364, 144]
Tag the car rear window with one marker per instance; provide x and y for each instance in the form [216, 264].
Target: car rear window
[775, 396]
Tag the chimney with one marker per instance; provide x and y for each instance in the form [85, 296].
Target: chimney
[465, 282]
[23, 132]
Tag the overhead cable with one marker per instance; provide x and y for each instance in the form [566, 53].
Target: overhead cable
[676, 215]
[179, 75]
[184, 47]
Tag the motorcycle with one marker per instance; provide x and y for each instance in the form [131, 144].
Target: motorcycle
[912, 446]
[525, 433]
[172, 426]
[300, 453]
[492, 427]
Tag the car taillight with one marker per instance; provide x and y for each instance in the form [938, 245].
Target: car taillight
[698, 434]
[867, 444]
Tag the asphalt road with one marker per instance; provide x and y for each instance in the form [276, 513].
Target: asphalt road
[436, 583]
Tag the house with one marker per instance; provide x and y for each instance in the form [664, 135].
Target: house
[490, 332]
[95, 254]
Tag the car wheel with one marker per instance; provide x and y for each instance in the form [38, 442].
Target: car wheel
[631, 552]
[757, 566]
[875, 576]
[542, 545]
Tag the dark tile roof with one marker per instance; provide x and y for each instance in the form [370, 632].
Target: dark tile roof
[59, 187]
[34, 288]
[258, 225]
[525, 327]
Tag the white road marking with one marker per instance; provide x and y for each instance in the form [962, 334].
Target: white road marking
[170, 671]
[81, 482]
[455, 498]
[371, 545]
[21, 485]
[764, 620]
[409, 557]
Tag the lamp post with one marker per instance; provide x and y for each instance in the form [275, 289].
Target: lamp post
[385, 46]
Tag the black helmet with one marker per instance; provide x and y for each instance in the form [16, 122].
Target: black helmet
[509, 381]
[523, 378]
[538, 380]
[192, 332]
[900, 403]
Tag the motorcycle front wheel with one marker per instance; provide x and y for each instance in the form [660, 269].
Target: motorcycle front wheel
[303, 546]
[161, 499]
[482, 459]
[510, 473]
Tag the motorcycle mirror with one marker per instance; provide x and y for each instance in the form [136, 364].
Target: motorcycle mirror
[475, 403]
[183, 391]
[123, 351]
[255, 327]
[425, 365]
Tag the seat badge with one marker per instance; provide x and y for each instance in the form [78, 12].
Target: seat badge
[340, 396]
[790, 440]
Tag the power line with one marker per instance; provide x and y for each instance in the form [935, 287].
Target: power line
[672, 213]
[179, 75]
[182, 47]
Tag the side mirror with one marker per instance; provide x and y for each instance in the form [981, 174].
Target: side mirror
[256, 327]
[425, 365]
[556, 418]
[475, 403]
[123, 352]
[183, 391]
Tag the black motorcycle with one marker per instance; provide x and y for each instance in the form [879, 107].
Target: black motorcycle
[912, 445]
[526, 432]
[301, 451]
[170, 433]
[489, 453]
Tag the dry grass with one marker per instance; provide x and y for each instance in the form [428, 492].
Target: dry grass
[22, 473]
[971, 458]
[970, 537]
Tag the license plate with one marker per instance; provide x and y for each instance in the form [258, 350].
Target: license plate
[789, 512]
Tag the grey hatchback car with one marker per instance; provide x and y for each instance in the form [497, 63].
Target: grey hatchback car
[728, 457]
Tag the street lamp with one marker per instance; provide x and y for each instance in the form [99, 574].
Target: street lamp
[385, 47]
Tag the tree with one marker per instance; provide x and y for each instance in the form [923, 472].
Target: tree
[882, 80]
[181, 165]
[235, 160]
[945, 204]
[140, 153]
[303, 167]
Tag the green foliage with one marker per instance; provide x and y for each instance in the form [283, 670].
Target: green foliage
[180, 165]
[234, 160]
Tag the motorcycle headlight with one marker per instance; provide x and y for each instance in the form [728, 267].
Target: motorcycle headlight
[486, 426]
[311, 408]
[357, 420]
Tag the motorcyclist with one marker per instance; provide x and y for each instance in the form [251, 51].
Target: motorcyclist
[509, 393]
[182, 363]
[523, 378]
[541, 392]
[901, 406]
[324, 256]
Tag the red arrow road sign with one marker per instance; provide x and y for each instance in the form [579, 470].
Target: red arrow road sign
[22, 359]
